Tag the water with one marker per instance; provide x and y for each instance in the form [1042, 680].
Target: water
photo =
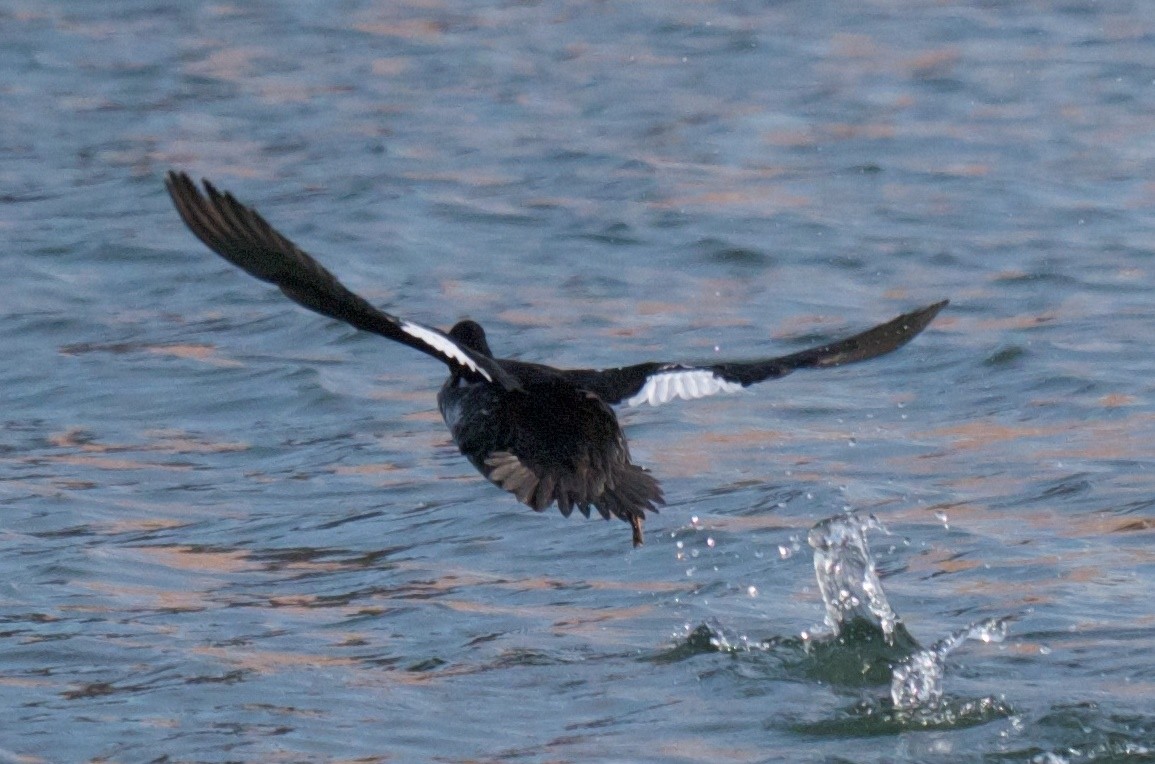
[864, 642]
[917, 682]
[858, 613]
[847, 576]
[235, 531]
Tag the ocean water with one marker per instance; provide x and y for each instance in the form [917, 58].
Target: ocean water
[232, 530]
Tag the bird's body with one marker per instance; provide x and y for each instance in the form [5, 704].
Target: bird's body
[550, 442]
[546, 435]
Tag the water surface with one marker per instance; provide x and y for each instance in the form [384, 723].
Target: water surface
[236, 531]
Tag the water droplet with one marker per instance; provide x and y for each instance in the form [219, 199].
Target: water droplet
[752, 591]
[710, 541]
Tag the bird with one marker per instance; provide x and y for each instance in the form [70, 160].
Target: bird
[546, 435]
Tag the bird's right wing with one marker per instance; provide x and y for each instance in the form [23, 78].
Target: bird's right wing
[657, 383]
[240, 235]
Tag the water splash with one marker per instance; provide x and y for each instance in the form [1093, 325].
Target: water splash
[865, 644]
[847, 578]
[917, 681]
[708, 637]
[858, 613]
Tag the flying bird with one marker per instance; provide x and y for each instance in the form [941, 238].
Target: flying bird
[546, 435]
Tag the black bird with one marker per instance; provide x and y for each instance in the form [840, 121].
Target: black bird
[545, 435]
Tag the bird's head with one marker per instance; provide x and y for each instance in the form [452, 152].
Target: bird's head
[469, 334]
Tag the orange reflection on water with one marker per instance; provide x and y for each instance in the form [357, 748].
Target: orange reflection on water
[184, 557]
[139, 597]
[271, 661]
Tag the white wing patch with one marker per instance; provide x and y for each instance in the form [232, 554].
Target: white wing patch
[443, 345]
[687, 384]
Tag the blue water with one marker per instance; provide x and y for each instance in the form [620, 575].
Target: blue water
[232, 530]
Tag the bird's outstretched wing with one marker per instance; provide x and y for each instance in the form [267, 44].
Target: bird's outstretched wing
[240, 235]
[657, 383]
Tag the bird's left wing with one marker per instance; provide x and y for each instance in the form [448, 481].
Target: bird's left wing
[657, 383]
[240, 235]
